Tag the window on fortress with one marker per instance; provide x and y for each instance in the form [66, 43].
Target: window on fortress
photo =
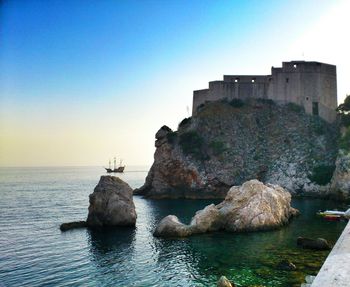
[253, 80]
[287, 80]
[315, 108]
[295, 66]
[236, 80]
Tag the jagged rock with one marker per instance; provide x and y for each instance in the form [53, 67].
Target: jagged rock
[73, 225]
[340, 184]
[172, 176]
[315, 244]
[286, 265]
[222, 146]
[207, 219]
[161, 135]
[111, 204]
[170, 226]
[255, 206]
[224, 282]
[250, 207]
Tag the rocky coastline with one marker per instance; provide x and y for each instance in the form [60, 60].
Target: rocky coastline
[228, 143]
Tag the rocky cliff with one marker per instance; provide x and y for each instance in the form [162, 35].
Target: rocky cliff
[340, 184]
[228, 143]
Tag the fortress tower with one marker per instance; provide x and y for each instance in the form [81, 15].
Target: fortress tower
[312, 85]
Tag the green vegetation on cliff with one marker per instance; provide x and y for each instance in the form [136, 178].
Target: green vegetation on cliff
[191, 143]
[344, 142]
[226, 144]
[322, 174]
[260, 139]
[344, 114]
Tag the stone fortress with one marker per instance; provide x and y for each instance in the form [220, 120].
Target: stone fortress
[311, 85]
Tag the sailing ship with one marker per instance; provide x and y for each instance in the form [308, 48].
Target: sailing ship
[120, 168]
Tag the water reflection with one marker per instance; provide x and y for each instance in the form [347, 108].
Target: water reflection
[111, 240]
[133, 257]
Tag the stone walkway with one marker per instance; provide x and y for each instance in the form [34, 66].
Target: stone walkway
[335, 271]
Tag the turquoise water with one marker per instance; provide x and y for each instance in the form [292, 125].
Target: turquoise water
[33, 251]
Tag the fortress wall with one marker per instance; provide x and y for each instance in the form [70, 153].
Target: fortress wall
[245, 79]
[310, 88]
[307, 84]
[328, 90]
[327, 113]
[286, 85]
[244, 87]
[199, 97]
[217, 90]
[280, 88]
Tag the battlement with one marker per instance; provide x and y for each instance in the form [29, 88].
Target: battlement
[312, 85]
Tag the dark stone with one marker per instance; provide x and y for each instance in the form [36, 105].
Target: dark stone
[314, 244]
[286, 265]
[73, 225]
[111, 204]
[162, 132]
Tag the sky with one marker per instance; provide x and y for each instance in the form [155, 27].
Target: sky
[84, 81]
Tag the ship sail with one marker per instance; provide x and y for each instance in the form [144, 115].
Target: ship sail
[120, 168]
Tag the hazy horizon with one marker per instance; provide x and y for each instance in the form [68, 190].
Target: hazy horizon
[72, 166]
[84, 81]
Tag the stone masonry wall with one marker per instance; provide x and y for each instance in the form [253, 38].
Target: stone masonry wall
[311, 85]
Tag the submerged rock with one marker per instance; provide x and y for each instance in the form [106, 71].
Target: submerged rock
[73, 225]
[250, 207]
[315, 244]
[224, 282]
[111, 204]
[286, 265]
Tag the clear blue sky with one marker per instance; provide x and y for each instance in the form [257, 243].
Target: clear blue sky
[82, 81]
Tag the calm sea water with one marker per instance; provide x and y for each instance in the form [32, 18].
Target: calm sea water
[34, 252]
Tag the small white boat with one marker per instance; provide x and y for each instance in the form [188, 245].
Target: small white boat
[334, 214]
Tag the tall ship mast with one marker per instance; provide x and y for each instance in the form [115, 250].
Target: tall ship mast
[119, 169]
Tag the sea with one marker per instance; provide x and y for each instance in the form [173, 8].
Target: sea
[34, 252]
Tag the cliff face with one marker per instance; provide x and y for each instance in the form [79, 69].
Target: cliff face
[340, 184]
[227, 144]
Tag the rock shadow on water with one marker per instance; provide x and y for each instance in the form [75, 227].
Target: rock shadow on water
[111, 239]
[112, 245]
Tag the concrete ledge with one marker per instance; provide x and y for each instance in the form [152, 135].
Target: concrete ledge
[335, 271]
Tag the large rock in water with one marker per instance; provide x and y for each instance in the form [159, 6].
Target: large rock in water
[315, 244]
[224, 145]
[250, 207]
[111, 204]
